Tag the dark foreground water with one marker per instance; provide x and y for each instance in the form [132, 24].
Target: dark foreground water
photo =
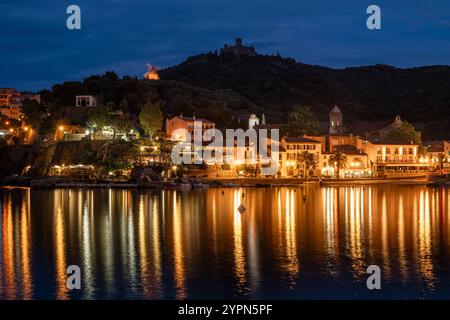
[295, 243]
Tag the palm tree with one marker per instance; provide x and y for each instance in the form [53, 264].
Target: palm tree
[441, 159]
[339, 161]
[305, 160]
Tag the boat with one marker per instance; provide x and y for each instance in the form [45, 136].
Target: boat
[229, 185]
[185, 186]
[200, 185]
[169, 185]
[439, 180]
[263, 185]
[123, 185]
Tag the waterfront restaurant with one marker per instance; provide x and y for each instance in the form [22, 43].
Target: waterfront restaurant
[78, 171]
[395, 159]
[356, 166]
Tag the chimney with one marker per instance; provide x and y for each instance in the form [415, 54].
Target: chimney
[238, 42]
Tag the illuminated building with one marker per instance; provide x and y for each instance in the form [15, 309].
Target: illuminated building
[85, 101]
[178, 126]
[434, 151]
[395, 159]
[11, 102]
[292, 147]
[356, 166]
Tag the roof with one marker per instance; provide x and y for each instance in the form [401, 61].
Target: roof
[8, 90]
[243, 117]
[299, 140]
[390, 143]
[348, 149]
[361, 127]
[192, 119]
[268, 126]
[393, 125]
[343, 135]
[436, 146]
[336, 109]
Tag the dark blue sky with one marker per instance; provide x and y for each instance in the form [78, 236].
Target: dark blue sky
[37, 50]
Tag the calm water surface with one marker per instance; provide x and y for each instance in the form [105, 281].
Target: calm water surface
[295, 243]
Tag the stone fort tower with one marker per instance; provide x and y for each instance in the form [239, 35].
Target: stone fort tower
[238, 49]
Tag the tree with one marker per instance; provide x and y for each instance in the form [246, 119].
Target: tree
[34, 113]
[339, 161]
[306, 160]
[98, 119]
[151, 118]
[124, 106]
[301, 121]
[441, 159]
[103, 118]
[118, 124]
[405, 134]
[115, 155]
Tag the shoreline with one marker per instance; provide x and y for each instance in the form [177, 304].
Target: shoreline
[56, 183]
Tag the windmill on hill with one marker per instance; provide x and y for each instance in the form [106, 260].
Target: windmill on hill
[152, 72]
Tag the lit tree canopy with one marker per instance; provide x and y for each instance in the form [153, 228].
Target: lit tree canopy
[405, 134]
[339, 161]
[306, 160]
[151, 118]
[102, 118]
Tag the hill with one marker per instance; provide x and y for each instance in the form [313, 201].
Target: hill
[112, 91]
[371, 93]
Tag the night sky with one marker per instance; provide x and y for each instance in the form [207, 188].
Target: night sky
[37, 50]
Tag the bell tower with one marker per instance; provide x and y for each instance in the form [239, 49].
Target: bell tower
[336, 120]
